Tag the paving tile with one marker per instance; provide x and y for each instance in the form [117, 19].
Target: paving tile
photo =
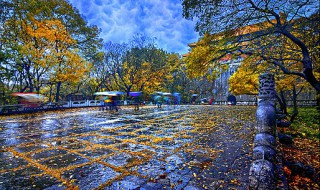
[90, 176]
[9, 161]
[26, 179]
[64, 160]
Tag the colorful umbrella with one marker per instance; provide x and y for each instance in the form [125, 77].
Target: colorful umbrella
[135, 94]
[156, 98]
[109, 93]
[31, 97]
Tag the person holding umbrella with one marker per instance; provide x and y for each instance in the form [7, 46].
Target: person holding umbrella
[136, 96]
[158, 101]
[113, 99]
[101, 103]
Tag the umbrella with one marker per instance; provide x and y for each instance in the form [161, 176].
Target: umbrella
[159, 93]
[109, 93]
[31, 97]
[157, 98]
[100, 93]
[134, 94]
[116, 93]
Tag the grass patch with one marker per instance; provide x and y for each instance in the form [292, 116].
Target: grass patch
[306, 123]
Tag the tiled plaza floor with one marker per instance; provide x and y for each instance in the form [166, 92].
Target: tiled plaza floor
[185, 147]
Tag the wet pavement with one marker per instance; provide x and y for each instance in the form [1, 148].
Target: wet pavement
[185, 147]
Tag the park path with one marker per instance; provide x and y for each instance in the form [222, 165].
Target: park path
[183, 147]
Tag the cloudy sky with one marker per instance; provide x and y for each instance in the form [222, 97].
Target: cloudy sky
[120, 20]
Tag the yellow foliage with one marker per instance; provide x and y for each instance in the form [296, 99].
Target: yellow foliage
[244, 81]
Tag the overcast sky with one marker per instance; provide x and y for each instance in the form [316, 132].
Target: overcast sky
[120, 20]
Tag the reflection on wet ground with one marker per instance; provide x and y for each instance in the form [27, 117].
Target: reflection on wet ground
[185, 147]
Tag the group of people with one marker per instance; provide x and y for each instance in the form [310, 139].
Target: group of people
[167, 98]
[108, 102]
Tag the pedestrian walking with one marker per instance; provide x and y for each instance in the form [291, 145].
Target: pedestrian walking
[101, 104]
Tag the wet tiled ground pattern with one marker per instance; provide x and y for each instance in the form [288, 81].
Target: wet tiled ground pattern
[185, 147]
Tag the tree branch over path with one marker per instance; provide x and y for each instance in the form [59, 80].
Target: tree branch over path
[278, 28]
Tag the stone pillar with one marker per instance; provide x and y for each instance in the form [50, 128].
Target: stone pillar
[261, 175]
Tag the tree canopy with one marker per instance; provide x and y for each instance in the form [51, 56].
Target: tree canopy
[136, 66]
[45, 42]
[260, 28]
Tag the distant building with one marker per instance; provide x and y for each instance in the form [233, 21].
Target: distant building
[221, 85]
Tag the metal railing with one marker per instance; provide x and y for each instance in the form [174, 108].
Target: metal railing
[19, 108]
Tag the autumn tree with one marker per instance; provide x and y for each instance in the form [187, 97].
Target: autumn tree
[245, 79]
[137, 66]
[110, 70]
[50, 41]
[288, 87]
[253, 27]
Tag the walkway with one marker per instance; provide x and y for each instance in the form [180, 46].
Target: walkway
[187, 147]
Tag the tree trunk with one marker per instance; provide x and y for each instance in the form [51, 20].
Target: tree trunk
[3, 98]
[58, 91]
[284, 106]
[295, 106]
[318, 104]
[281, 102]
[50, 93]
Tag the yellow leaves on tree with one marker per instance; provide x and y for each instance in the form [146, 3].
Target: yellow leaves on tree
[206, 57]
[198, 61]
[45, 37]
[72, 69]
[245, 79]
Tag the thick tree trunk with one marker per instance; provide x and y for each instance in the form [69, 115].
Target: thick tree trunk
[311, 78]
[58, 91]
[284, 106]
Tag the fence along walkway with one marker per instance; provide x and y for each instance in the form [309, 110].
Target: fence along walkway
[20, 108]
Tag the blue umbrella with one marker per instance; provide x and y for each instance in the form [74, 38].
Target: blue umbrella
[156, 98]
[135, 94]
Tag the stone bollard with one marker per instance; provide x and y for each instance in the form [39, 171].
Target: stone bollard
[262, 171]
[261, 175]
[265, 139]
[264, 153]
[266, 117]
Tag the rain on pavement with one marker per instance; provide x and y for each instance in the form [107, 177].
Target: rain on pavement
[183, 147]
